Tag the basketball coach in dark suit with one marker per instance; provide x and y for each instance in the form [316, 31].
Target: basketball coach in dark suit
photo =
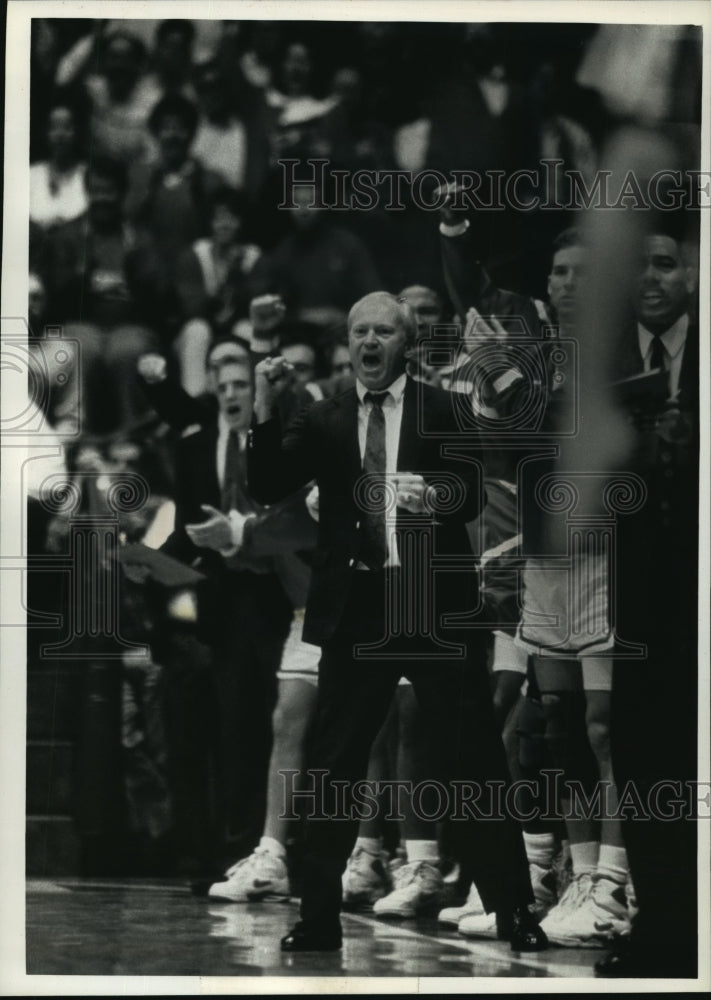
[377, 611]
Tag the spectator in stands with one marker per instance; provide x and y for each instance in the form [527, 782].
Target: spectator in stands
[479, 122]
[171, 197]
[172, 59]
[258, 53]
[320, 268]
[295, 108]
[216, 278]
[429, 312]
[348, 134]
[55, 362]
[222, 141]
[341, 375]
[106, 285]
[121, 99]
[57, 191]
[301, 355]
[51, 39]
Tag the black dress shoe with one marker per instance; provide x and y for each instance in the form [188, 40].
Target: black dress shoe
[621, 963]
[628, 960]
[303, 938]
[521, 928]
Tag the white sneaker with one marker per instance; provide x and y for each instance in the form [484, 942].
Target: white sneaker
[260, 876]
[418, 887]
[396, 862]
[598, 917]
[579, 888]
[543, 883]
[365, 879]
[472, 908]
[479, 925]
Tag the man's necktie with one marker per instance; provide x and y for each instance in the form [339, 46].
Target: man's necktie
[236, 497]
[658, 354]
[233, 493]
[374, 548]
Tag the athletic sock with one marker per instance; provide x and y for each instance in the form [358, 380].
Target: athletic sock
[584, 856]
[422, 850]
[540, 848]
[613, 863]
[275, 847]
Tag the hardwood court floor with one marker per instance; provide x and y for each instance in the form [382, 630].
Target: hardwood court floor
[158, 928]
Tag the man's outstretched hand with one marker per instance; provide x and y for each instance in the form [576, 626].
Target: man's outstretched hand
[215, 533]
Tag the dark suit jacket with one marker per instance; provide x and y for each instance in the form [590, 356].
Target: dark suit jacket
[322, 444]
[658, 545]
[275, 536]
[627, 361]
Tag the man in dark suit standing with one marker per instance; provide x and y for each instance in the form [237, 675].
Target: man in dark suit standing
[392, 500]
[654, 700]
[245, 609]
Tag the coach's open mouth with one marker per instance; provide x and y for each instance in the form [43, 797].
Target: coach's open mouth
[371, 360]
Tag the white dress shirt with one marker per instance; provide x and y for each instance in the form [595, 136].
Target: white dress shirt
[673, 341]
[392, 412]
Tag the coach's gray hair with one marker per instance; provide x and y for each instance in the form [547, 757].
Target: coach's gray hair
[404, 309]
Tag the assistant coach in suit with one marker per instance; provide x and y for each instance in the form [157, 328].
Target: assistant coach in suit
[655, 700]
[391, 432]
[247, 601]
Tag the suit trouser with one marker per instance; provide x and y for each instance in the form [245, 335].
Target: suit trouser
[654, 740]
[247, 655]
[651, 716]
[454, 697]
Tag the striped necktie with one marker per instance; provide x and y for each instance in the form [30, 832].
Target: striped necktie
[373, 548]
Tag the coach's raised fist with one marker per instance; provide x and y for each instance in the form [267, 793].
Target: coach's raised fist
[271, 377]
[152, 368]
[266, 312]
[452, 209]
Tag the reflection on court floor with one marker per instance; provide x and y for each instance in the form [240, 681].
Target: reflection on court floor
[139, 928]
